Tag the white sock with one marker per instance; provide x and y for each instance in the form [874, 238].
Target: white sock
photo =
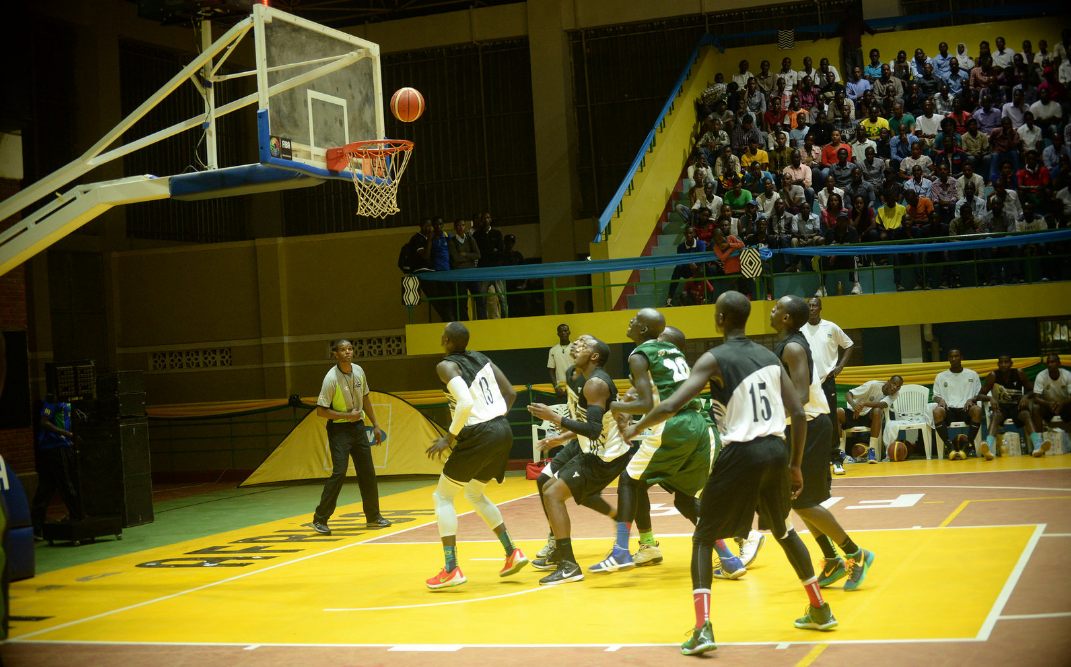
[874, 444]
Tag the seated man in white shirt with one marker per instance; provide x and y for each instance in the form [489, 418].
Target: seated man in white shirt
[867, 403]
[957, 396]
[1051, 397]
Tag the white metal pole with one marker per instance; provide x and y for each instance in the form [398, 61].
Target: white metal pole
[83, 164]
[210, 98]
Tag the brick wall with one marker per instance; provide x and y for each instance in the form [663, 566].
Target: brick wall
[16, 445]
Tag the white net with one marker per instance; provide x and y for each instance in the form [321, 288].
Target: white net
[377, 167]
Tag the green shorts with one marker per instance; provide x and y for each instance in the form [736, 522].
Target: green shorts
[675, 453]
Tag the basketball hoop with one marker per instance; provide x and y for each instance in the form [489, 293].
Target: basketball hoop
[377, 167]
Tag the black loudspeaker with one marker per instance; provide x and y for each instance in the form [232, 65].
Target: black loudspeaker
[115, 471]
[121, 395]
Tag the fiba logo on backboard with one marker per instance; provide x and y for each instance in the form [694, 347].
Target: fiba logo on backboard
[280, 148]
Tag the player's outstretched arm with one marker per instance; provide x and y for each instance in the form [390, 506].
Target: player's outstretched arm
[705, 369]
[598, 395]
[641, 382]
[504, 386]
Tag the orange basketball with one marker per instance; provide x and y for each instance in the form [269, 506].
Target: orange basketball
[960, 441]
[407, 104]
[897, 451]
[858, 451]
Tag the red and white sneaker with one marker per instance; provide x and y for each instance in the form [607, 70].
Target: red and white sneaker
[447, 579]
[514, 562]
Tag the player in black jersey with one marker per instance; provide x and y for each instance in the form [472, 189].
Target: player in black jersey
[574, 388]
[1009, 390]
[751, 395]
[480, 437]
[604, 454]
[788, 316]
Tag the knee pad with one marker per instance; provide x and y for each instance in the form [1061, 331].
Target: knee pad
[444, 493]
[487, 510]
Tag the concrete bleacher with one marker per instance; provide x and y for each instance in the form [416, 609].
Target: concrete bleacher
[670, 236]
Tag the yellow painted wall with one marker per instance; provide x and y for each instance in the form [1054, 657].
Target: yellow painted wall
[850, 312]
[653, 184]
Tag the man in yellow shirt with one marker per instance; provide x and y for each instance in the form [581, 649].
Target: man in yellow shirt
[874, 123]
[755, 154]
[342, 403]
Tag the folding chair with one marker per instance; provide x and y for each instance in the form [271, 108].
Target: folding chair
[542, 430]
[910, 411]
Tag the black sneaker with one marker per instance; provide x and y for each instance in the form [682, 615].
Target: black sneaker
[549, 563]
[321, 527]
[379, 523]
[567, 571]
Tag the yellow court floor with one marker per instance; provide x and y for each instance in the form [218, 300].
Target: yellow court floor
[280, 583]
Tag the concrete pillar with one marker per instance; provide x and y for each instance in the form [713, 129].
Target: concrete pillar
[911, 344]
[555, 134]
[274, 314]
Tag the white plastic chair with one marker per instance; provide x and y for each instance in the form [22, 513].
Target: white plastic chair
[910, 410]
[542, 430]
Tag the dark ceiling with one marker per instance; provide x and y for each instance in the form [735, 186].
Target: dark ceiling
[342, 13]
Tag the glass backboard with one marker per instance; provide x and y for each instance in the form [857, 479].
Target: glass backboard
[319, 88]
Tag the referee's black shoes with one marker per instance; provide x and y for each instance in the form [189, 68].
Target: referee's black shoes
[321, 528]
[379, 523]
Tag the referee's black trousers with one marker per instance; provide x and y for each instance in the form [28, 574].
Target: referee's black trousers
[345, 440]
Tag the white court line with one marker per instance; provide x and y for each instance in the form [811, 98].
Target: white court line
[1031, 617]
[937, 474]
[948, 486]
[445, 648]
[864, 642]
[798, 532]
[251, 647]
[1009, 585]
[234, 578]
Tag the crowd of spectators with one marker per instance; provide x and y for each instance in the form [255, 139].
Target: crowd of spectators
[953, 144]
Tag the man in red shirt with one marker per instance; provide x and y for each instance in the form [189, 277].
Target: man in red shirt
[1033, 179]
[774, 117]
[918, 208]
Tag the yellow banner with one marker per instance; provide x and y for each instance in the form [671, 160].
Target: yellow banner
[925, 373]
[304, 453]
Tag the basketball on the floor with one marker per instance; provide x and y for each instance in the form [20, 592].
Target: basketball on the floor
[897, 451]
[960, 442]
[407, 104]
[858, 451]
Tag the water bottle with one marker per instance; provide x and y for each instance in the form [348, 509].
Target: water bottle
[840, 288]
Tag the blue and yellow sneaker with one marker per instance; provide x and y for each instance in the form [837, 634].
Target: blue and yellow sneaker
[857, 567]
[831, 571]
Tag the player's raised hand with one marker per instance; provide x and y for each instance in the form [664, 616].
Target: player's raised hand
[541, 411]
